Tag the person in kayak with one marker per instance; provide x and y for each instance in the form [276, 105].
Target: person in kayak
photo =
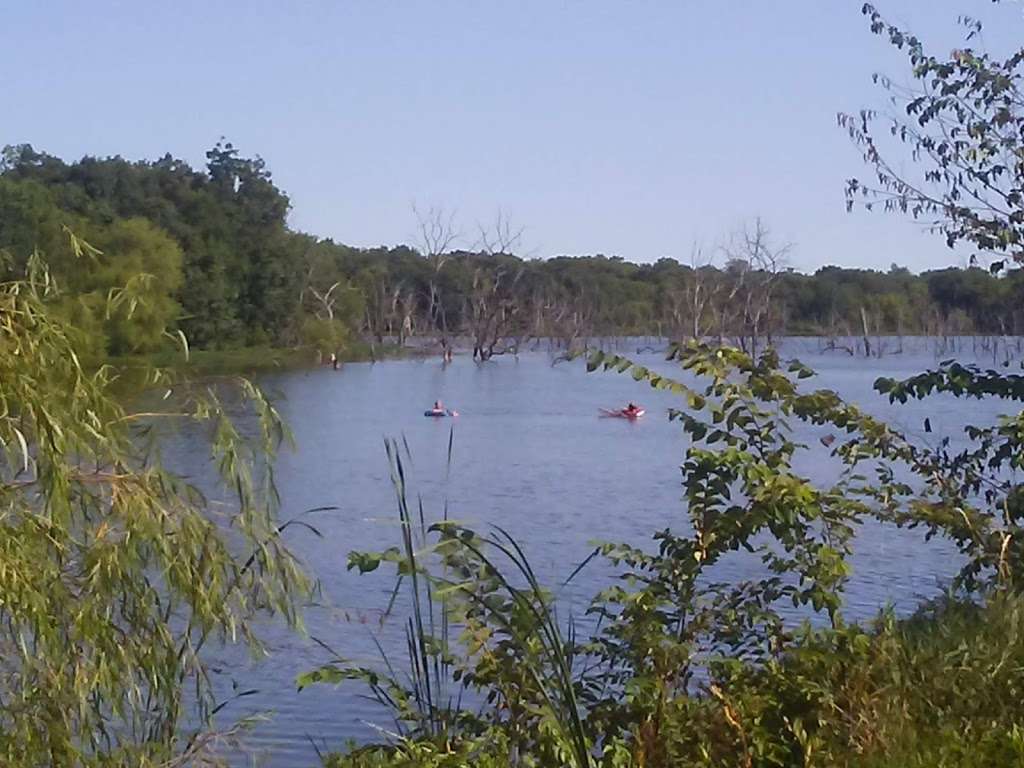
[438, 406]
[631, 408]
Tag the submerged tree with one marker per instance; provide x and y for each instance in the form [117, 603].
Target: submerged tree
[753, 268]
[494, 303]
[436, 234]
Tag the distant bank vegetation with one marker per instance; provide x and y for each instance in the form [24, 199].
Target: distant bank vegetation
[209, 253]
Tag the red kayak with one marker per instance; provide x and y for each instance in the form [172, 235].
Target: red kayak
[624, 413]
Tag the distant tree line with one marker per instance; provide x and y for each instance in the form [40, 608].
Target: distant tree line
[210, 253]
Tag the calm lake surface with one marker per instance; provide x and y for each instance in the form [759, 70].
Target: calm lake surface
[532, 455]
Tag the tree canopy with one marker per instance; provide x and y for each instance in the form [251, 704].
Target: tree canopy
[218, 262]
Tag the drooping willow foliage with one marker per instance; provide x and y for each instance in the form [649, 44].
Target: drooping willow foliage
[114, 572]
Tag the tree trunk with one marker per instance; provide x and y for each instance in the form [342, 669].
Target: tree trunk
[864, 328]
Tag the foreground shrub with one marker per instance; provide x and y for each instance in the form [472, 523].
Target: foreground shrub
[685, 669]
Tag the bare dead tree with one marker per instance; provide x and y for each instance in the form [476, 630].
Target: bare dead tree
[494, 306]
[404, 311]
[500, 238]
[725, 308]
[539, 307]
[324, 292]
[673, 307]
[436, 235]
[754, 264]
[324, 302]
[701, 291]
[377, 290]
[572, 319]
[318, 289]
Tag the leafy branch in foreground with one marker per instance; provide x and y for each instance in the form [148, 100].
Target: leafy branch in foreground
[963, 120]
[684, 662]
[115, 572]
[969, 496]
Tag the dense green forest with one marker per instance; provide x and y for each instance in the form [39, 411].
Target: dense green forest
[213, 256]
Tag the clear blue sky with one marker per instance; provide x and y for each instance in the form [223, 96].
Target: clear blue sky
[630, 128]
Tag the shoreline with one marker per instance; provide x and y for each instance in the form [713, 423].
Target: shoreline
[246, 361]
[262, 359]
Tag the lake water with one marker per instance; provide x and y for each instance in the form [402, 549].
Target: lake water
[530, 454]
